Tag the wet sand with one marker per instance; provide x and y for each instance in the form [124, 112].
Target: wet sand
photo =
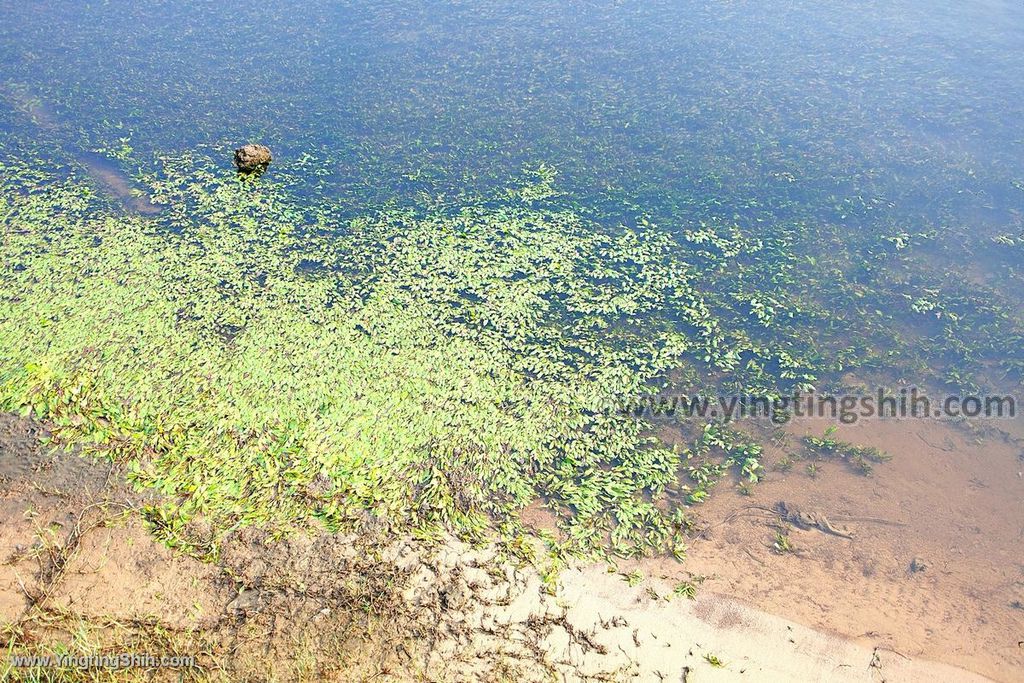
[679, 640]
[951, 497]
[117, 184]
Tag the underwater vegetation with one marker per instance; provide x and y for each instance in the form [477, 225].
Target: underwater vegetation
[396, 328]
[859, 457]
[427, 371]
[259, 357]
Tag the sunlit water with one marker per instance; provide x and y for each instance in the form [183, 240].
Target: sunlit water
[865, 123]
[731, 110]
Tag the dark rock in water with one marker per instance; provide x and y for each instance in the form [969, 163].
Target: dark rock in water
[251, 158]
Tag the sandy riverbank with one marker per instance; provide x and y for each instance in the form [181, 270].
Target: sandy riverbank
[951, 496]
[295, 609]
[753, 645]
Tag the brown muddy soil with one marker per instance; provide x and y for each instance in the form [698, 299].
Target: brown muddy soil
[78, 570]
[952, 496]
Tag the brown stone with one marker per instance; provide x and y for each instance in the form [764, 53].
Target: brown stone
[249, 158]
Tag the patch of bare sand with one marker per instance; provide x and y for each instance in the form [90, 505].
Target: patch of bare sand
[952, 496]
[714, 638]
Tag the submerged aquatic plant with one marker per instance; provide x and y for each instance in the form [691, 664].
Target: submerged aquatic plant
[259, 356]
[432, 371]
[859, 457]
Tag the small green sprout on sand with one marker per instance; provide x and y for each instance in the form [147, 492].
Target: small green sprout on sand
[688, 588]
[634, 578]
[549, 577]
[714, 661]
[679, 549]
[685, 589]
[782, 544]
